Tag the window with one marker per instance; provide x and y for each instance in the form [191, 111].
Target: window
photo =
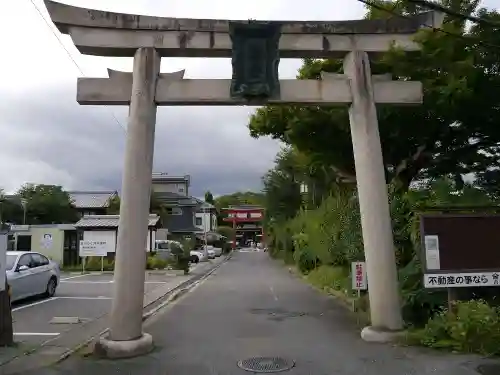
[174, 211]
[25, 261]
[199, 221]
[11, 260]
[39, 260]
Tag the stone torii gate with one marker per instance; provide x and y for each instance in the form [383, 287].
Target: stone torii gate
[255, 48]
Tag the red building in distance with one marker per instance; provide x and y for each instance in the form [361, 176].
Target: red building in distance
[248, 223]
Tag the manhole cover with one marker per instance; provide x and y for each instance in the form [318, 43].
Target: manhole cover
[266, 364]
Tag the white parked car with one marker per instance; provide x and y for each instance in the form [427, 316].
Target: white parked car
[198, 256]
[31, 274]
[218, 251]
[209, 249]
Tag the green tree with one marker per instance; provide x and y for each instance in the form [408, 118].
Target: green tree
[114, 206]
[11, 210]
[235, 199]
[282, 196]
[209, 198]
[457, 120]
[47, 204]
[155, 205]
[238, 198]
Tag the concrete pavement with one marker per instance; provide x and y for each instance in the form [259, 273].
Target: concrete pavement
[89, 298]
[253, 307]
[86, 297]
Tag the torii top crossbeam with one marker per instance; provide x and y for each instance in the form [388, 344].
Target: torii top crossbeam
[102, 33]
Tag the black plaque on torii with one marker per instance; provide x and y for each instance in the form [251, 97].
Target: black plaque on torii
[255, 60]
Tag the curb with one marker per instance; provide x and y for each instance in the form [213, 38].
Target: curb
[175, 293]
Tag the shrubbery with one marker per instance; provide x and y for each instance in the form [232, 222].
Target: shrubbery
[93, 264]
[472, 326]
[322, 242]
[96, 264]
[156, 263]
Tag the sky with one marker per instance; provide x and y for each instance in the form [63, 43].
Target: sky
[46, 137]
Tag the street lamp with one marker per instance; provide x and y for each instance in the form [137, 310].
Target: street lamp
[24, 203]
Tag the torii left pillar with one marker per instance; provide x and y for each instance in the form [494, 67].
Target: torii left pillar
[126, 338]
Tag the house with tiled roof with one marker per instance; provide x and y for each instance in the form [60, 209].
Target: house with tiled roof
[173, 193]
[105, 228]
[92, 202]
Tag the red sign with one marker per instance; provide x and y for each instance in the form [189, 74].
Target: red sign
[359, 276]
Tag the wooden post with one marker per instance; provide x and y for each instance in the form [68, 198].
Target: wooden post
[6, 330]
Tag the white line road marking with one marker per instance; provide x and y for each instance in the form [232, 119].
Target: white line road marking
[86, 282]
[86, 298]
[148, 282]
[34, 304]
[273, 293]
[36, 334]
[74, 277]
[107, 282]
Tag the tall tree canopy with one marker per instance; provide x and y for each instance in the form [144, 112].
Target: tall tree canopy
[209, 198]
[47, 204]
[454, 132]
[235, 199]
[247, 197]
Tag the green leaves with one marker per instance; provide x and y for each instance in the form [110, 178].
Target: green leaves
[461, 78]
[47, 204]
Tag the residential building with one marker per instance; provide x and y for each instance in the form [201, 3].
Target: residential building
[173, 192]
[165, 183]
[92, 202]
[58, 242]
[206, 217]
[247, 220]
[105, 228]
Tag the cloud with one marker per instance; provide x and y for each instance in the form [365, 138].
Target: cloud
[46, 137]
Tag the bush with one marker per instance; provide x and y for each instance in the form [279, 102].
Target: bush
[95, 264]
[473, 327]
[322, 242]
[156, 263]
[326, 277]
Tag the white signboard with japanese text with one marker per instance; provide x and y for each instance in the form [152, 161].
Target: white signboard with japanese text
[431, 244]
[3, 259]
[461, 280]
[358, 272]
[93, 248]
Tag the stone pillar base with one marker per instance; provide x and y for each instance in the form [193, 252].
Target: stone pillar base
[372, 334]
[110, 349]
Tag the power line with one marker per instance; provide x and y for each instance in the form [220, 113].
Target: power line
[463, 37]
[69, 54]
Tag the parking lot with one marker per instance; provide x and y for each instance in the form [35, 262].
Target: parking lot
[79, 298]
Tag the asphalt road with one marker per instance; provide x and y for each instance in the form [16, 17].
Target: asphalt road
[251, 307]
[86, 297]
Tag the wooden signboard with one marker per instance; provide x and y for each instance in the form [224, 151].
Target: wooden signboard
[460, 250]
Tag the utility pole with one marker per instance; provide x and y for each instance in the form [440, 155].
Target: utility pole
[24, 203]
[6, 330]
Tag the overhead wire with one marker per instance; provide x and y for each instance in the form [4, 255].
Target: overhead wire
[434, 6]
[438, 29]
[68, 53]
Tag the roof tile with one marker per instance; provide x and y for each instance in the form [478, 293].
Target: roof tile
[108, 221]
